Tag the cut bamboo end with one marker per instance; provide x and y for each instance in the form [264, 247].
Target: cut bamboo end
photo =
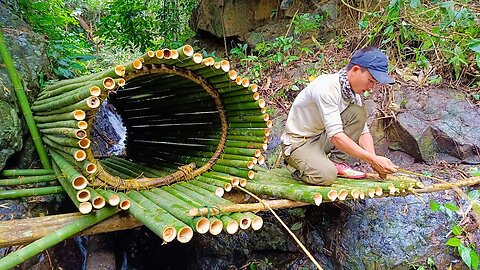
[85, 207]
[98, 202]
[362, 195]
[217, 65]
[257, 223]
[332, 195]
[342, 194]
[168, 234]
[91, 168]
[79, 182]
[371, 192]
[253, 87]
[378, 191]
[263, 110]
[269, 124]
[95, 91]
[113, 200]
[245, 82]
[261, 103]
[419, 184]
[232, 227]
[120, 70]
[317, 199]
[83, 195]
[109, 83]
[243, 182]
[250, 174]
[238, 80]
[202, 225]
[187, 50]
[167, 53]
[185, 234]
[256, 96]
[141, 60]
[258, 153]
[93, 102]
[121, 82]
[267, 132]
[232, 74]
[79, 115]
[261, 160]
[209, 61]
[266, 117]
[137, 64]
[245, 223]
[250, 165]
[174, 54]
[124, 204]
[227, 187]
[150, 54]
[265, 140]
[80, 155]
[84, 143]
[197, 58]
[235, 181]
[82, 124]
[159, 54]
[216, 226]
[225, 65]
[219, 192]
[255, 160]
[355, 194]
[80, 134]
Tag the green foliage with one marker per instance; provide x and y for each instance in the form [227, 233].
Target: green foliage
[67, 47]
[306, 23]
[261, 265]
[146, 24]
[466, 250]
[446, 33]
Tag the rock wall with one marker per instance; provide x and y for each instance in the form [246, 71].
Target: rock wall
[27, 50]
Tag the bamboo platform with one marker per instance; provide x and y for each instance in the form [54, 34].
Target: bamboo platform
[195, 130]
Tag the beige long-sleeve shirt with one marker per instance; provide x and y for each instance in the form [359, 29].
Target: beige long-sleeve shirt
[317, 109]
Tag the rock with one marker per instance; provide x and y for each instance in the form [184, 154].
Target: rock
[10, 133]
[231, 18]
[439, 124]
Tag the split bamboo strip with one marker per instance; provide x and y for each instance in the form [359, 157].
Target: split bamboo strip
[23, 101]
[28, 180]
[40, 191]
[23, 254]
[25, 172]
[184, 232]
[133, 169]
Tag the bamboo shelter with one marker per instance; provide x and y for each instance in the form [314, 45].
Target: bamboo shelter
[195, 129]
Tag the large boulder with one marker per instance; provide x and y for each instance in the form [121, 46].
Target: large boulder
[438, 124]
[10, 132]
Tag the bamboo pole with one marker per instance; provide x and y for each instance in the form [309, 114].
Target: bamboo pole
[23, 254]
[83, 207]
[23, 101]
[19, 193]
[25, 172]
[28, 180]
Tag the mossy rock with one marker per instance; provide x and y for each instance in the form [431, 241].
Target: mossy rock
[10, 132]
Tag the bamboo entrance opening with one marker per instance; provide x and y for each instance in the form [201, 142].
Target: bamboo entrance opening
[172, 117]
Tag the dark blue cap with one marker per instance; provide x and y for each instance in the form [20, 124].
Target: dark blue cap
[375, 61]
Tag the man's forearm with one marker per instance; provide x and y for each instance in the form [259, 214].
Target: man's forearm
[346, 145]
[366, 142]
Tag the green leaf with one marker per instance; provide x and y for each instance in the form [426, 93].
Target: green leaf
[465, 254]
[474, 45]
[474, 257]
[477, 59]
[297, 226]
[415, 3]
[294, 87]
[474, 194]
[451, 206]
[435, 206]
[363, 23]
[457, 230]
[453, 242]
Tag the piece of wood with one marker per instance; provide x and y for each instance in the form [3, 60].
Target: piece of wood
[22, 231]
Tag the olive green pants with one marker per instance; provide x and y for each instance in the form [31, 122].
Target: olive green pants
[309, 157]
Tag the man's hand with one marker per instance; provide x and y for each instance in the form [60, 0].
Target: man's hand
[383, 166]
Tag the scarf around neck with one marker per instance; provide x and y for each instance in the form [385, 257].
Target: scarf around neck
[347, 92]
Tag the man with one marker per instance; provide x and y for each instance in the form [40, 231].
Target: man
[327, 118]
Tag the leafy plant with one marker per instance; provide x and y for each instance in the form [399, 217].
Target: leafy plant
[465, 249]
